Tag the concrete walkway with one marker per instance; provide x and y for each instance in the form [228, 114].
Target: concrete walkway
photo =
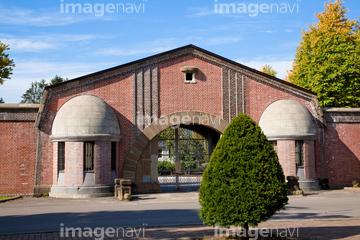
[321, 215]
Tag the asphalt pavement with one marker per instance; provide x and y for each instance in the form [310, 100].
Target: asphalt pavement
[29, 215]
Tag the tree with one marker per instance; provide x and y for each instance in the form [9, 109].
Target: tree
[35, 92]
[6, 64]
[192, 148]
[268, 69]
[327, 60]
[244, 183]
[1, 100]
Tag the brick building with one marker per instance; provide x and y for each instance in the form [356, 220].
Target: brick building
[102, 126]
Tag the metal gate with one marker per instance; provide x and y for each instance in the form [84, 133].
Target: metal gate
[182, 158]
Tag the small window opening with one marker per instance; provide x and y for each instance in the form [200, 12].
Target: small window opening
[61, 156]
[113, 156]
[88, 156]
[189, 77]
[299, 158]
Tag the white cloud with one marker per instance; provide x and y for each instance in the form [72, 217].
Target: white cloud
[41, 18]
[35, 70]
[46, 17]
[200, 12]
[268, 31]
[28, 45]
[43, 42]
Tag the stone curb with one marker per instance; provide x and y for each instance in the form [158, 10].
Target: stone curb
[10, 199]
[352, 189]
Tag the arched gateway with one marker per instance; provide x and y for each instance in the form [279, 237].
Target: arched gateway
[134, 160]
[105, 125]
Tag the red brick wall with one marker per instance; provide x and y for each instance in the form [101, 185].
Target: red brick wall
[309, 159]
[102, 163]
[116, 92]
[259, 96]
[17, 157]
[286, 154]
[175, 95]
[74, 164]
[342, 153]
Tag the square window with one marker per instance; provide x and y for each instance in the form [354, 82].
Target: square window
[189, 77]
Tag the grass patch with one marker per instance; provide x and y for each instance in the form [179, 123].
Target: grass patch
[5, 197]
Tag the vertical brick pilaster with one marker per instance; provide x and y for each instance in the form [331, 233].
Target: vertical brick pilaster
[74, 163]
[102, 163]
[286, 154]
[309, 159]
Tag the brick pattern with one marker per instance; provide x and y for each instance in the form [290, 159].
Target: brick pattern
[55, 163]
[156, 88]
[286, 154]
[309, 159]
[342, 151]
[342, 117]
[74, 163]
[176, 96]
[232, 92]
[102, 163]
[114, 91]
[18, 115]
[17, 157]
[145, 98]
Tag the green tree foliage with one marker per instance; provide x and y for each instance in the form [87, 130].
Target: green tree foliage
[328, 60]
[6, 64]
[268, 69]
[192, 148]
[165, 165]
[1, 100]
[36, 90]
[244, 183]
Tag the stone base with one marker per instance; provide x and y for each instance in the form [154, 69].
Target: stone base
[146, 187]
[357, 189]
[80, 191]
[41, 190]
[308, 185]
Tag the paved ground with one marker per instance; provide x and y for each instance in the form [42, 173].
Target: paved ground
[322, 215]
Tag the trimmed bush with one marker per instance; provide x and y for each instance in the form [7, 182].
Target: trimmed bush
[244, 183]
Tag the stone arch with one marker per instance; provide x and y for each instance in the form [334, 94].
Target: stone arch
[185, 118]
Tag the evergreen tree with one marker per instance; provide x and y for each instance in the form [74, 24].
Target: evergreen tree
[244, 183]
[327, 60]
[1, 100]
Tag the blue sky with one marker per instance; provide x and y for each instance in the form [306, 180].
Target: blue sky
[47, 38]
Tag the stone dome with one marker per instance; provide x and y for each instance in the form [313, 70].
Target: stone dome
[85, 118]
[288, 120]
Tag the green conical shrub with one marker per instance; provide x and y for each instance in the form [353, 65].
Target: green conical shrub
[244, 183]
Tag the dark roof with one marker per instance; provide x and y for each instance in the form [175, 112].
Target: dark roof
[170, 52]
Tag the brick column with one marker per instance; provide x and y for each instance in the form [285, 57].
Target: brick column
[74, 163]
[286, 154]
[102, 163]
[55, 163]
[309, 159]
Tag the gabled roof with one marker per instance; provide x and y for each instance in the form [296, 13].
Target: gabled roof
[142, 61]
[158, 58]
